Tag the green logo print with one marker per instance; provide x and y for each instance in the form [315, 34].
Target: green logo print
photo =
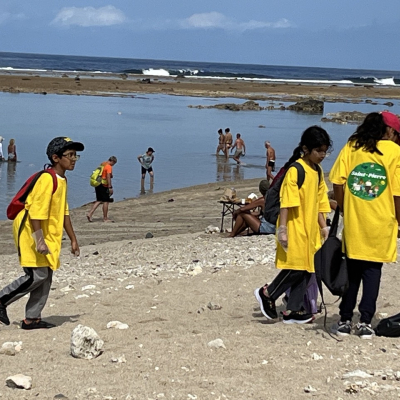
[367, 181]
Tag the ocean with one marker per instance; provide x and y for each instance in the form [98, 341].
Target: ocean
[184, 139]
[44, 63]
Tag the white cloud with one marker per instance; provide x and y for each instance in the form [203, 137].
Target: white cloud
[89, 16]
[6, 16]
[215, 20]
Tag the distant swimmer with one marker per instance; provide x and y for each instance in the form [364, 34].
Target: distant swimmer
[221, 142]
[240, 148]
[270, 164]
[228, 141]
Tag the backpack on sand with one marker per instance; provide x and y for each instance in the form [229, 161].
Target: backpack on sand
[18, 202]
[389, 327]
[330, 262]
[272, 197]
[95, 178]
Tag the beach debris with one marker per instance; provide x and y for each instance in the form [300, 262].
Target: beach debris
[19, 381]
[216, 344]
[309, 389]
[316, 356]
[88, 287]
[117, 325]
[60, 396]
[67, 288]
[119, 360]
[170, 200]
[130, 287]
[10, 348]
[149, 235]
[85, 343]
[212, 229]
[357, 374]
[308, 106]
[212, 306]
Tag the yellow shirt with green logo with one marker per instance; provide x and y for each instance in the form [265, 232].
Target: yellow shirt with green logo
[50, 208]
[370, 181]
[304, 204]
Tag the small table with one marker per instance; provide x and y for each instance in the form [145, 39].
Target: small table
[228, 208]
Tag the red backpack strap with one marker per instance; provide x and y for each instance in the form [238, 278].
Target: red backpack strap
[54, 175]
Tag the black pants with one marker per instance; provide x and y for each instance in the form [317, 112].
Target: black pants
[369, 273]
[294, 280]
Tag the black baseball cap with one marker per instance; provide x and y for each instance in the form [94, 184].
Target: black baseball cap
[61, 143]
[151, 149]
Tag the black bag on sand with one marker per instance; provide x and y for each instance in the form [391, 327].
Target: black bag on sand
[330, 262]
[389, 327]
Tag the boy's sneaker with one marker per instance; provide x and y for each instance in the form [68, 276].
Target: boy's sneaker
[37, 324]
[342, 328]
[297, 317]
[3, 315]
[267, 305]
[364, 330]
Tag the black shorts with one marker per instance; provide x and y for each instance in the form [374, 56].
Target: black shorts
[272, 164]
[144, 170]
[103, 194]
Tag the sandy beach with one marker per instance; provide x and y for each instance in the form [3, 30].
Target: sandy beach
[179, 291]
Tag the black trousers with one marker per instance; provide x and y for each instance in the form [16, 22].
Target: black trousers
[369, 273]
[294, 280]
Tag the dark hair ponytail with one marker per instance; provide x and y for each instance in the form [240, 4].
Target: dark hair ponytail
[369, 133]
[312, 138]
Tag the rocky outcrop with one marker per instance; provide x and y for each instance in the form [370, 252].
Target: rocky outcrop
[308, 106]
[345, 117]
[246, 106]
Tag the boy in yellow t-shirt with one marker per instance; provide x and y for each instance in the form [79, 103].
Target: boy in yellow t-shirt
[366, 183]
[39, 236]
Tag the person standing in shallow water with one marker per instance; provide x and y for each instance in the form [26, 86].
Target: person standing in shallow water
[228, 141]
[366, 184]
[221, 143]
[12, 151]
[240, 148]
[146, 161]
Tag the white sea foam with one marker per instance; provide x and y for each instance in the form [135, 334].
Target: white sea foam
[155, 72]
[22, 69]
[312, 81]
[385, 81]
[190, 71]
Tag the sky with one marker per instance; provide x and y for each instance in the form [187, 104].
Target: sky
[319, 33]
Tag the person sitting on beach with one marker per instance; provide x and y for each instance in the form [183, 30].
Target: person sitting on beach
[104, 191]
[244, 218]
[38, 231]
[228, 141]
[270, 164]
[240, 148]
[1, 149]
[12, 151]
[221, 142]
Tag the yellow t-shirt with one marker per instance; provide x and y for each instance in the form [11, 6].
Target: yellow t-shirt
[370, 181]
[304, 204]
[50, 209]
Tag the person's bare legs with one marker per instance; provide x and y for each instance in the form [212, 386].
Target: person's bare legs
[105, 213]
[244, 221]
[93, 209]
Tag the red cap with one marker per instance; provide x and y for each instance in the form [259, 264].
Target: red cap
[391, 120]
